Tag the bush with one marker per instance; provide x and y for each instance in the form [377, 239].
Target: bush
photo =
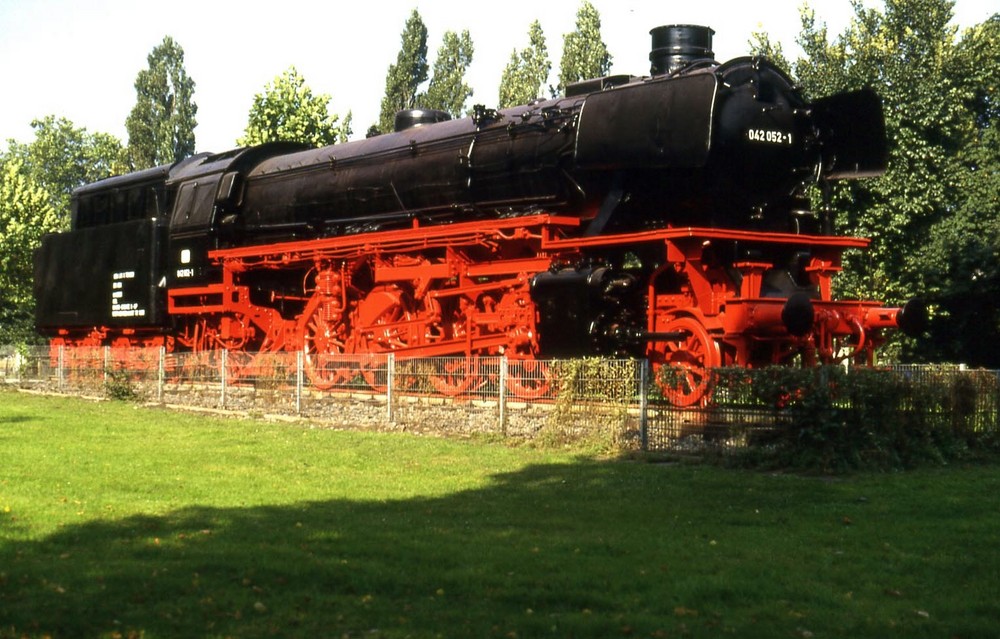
[591, 401]
[831, 419]
[118, 385]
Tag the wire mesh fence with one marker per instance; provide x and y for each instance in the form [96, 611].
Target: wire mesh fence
[888, 409]
[613, 403]
[488, 395]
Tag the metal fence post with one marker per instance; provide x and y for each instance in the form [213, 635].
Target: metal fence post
[161, 374]
[390, 375]
[644, 403]
[60, 372]
[107, 364]
[299, 364]
[222, 375]
[502, 400]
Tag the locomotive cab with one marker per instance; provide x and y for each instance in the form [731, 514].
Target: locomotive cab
[207, 207]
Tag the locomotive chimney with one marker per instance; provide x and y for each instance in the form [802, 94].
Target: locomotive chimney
[677, 45]
[409, 118]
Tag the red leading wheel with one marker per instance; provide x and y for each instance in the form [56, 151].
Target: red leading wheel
[689, 359]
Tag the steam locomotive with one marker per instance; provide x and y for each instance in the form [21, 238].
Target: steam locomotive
[661, 216]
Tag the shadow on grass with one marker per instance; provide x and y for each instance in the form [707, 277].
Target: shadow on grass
[530, 555]
[581, 550]
[18, 419]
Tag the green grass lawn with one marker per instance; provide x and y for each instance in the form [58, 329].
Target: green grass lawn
[122, 521]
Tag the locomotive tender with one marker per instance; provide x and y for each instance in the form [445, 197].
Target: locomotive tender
[661, 216]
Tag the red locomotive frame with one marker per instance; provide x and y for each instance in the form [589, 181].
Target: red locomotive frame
[463, 289]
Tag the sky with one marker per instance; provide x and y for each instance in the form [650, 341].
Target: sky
[79, 59]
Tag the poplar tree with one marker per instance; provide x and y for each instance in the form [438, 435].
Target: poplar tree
[448, 90]
[585, 55]
[527, 72]
[406, 75]
[162, 122]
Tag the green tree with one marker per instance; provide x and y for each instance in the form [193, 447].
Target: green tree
[406, 75]
[288, 110]
[905, 53]
[527, 72]
[958, 270]
[585, 55]
[162, 122]
[761, 45]
[26, 213]
[939, 95]
[448, 90]
[63, 157]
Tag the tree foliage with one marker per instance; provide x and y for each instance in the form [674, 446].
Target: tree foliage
[933, 216]
[63, 157]
[448, 90]
[527, 72]
[162, 122]
[959, 267]
[36, 180]
[585, 55]
[406, 75]
[288, 110]
[26, 213]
